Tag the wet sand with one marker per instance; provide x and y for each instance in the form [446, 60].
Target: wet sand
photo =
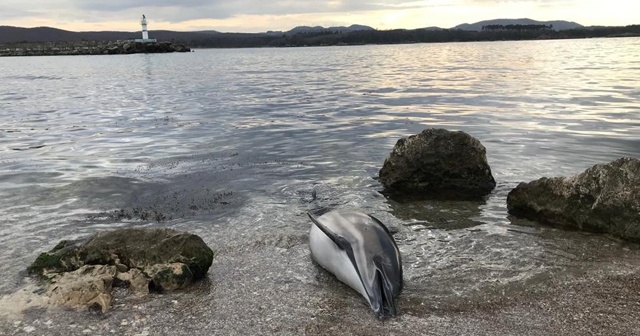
[270, 286]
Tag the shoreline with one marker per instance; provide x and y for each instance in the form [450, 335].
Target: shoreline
[229, 41]
[245, 293]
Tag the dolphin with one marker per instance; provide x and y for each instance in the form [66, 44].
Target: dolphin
[360, 251]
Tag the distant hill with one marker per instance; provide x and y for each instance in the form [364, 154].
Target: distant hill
[432, 28]
[208, 31]
[10, 34]
[319, 29]
[320, 36]
[557, 25]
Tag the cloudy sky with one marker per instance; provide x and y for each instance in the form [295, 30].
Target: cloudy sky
[263, 15]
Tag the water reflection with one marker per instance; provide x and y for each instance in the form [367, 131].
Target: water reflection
[434, 214]
[271, 125]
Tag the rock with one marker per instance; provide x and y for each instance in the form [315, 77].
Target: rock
[136, 281]
[90, 48]
[168, 277]
[604, 198]
[438, 164]
[87, 286]
[179, 48]
[141, 259]
[112, 50]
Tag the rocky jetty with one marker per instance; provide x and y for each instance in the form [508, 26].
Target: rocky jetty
[604, 198]
[129, 47]
[89, 48]
[438, 164]
[83, 273]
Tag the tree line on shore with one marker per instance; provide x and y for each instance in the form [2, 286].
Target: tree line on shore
[362, 37]
[519, 27]
[398, 36]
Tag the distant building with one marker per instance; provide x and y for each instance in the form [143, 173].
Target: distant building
[145, 33]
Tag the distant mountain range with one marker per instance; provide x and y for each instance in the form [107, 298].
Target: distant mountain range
[432, 28]
[557, 25]
[318, 29]
[9, 34]
[340, 35]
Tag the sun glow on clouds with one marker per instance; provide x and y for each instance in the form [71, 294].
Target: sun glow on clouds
[381, 15]
[334, 4]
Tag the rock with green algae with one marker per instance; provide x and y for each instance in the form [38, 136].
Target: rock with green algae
[140, 259]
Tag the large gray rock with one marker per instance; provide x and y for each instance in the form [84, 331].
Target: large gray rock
[604, 198]
[137, 258]
[438, 163]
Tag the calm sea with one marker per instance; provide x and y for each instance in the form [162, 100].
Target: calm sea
[230, 144]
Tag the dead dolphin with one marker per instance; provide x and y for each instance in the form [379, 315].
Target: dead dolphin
[360, 251]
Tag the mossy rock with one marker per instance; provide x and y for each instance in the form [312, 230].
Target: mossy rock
[64, 257]
[139, 248]
[168, 277]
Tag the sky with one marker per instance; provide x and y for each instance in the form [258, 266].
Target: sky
[282, 15]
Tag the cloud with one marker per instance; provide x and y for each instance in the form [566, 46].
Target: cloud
[536, 3]
[8, 12]
[497, 2]
[17, 9]
[122, 5]
[176, 11]
[259, 15]
[59, 12]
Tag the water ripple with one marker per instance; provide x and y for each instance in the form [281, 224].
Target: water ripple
[231, 144]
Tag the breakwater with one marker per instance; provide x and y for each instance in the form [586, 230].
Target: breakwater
[88, 48]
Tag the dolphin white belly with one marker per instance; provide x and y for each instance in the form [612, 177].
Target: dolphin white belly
[334, 260]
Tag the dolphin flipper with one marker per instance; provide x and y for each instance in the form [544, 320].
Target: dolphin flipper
[340, 241]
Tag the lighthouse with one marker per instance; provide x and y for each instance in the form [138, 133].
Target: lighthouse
[145, 33]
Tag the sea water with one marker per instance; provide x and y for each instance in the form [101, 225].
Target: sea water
[232, 144]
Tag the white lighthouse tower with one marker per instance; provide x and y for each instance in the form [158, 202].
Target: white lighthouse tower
[145, 33]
